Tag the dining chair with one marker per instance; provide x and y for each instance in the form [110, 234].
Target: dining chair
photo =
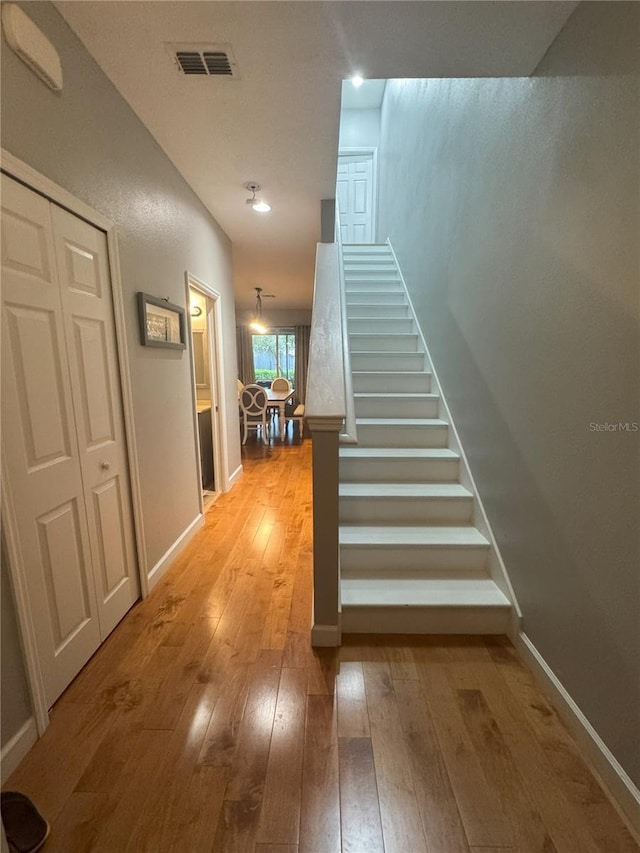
[280, 383]
[239, 386]
[295, 413]
[253, 401]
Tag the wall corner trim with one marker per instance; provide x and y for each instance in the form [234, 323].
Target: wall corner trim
[164, 563]
[609, 772]
[326, 636]
[15, 749]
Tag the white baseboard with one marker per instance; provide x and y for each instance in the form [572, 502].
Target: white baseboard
[158, 571]
[611, 774]
[326, 636]
[15, 750]
[233, 478]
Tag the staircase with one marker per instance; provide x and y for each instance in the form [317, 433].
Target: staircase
[412, 559]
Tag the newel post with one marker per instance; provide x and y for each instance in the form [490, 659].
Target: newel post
[325, 433]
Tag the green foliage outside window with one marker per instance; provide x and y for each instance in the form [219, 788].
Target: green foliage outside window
[262, 373]
[274, 355]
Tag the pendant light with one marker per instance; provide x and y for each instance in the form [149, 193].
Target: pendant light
[257, 324]
[257, 204]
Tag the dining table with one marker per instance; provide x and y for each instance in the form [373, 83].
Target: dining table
[279, 399]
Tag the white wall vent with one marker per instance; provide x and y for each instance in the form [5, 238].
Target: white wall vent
[33, 48]
[210, 60]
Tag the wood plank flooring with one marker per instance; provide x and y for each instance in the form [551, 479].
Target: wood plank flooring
[207, 723]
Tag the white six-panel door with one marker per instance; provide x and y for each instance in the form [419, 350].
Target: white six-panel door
[63, 441]
[354, 189]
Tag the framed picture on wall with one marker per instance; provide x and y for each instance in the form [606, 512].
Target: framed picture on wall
[162, 324]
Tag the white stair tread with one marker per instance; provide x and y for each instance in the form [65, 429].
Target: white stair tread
[425, 422]
[398, 395]
[404, 490]
[427, 536]
[383, 374]
[358, 335]
[421, 592]
[376, 291]
[398, 453]
[386, 353]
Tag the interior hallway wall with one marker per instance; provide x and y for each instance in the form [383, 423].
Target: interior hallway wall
[279, 318]
[513, 205]
[88, 140]
[15, 702]
[359, 129]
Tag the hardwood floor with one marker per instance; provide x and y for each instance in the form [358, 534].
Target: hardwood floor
[207, 723]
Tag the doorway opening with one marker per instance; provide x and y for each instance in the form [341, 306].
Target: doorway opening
[206, 374]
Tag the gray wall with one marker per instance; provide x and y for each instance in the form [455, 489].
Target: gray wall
[15, 707]
[359, 128]
[87, 139]
[513, 206]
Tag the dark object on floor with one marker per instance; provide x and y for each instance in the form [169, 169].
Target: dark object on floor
[24, 826]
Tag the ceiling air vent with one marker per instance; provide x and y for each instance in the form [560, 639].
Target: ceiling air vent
[205, 60]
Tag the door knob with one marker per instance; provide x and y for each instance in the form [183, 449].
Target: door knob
[105, 466]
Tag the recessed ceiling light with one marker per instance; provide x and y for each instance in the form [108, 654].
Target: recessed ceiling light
[357, 81]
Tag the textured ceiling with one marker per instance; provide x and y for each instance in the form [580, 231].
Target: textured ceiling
[277, 124]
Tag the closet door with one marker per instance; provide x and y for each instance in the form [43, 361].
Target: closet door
[87, 307]
[64, 449]
[40, 452]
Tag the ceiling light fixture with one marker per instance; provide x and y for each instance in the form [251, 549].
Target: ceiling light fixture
[257, 323]
[258, 205]
[357, 81]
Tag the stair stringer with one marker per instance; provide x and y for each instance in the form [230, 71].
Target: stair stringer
[495, 563]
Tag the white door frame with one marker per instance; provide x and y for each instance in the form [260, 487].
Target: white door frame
[216, 375]
[37, 182]
[373, 151]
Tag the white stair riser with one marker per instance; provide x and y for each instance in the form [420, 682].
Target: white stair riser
[374, 265]
[381, 326]
[356, 248]
[414, 510]
[383, 343]
[369, 297]
[372, 285]
[409, 382]
[377, 312]
[374, 273]
[393, 362]
[401, 436]
[432, 562]
[412, 470]
[425, 620]
[397, 407]
[368, 261]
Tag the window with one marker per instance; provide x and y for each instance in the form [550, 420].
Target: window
[274, 355]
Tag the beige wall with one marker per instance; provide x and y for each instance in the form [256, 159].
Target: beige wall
[277, 318]
[87, 139]
[513, 206]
